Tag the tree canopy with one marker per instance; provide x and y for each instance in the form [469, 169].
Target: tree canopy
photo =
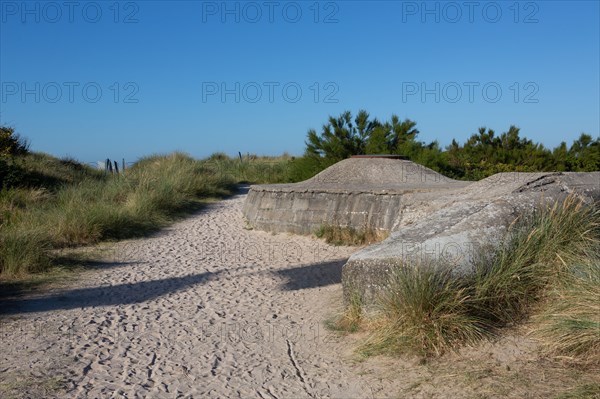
[484, 153]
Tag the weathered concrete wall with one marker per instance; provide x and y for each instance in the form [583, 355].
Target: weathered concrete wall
[361, 193]
[304, 212]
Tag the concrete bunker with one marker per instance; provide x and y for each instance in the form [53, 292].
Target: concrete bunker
[430, 218]
[360, 192]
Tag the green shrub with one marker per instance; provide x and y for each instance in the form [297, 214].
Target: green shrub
[37, 170]
[305, 167]
[11, 143]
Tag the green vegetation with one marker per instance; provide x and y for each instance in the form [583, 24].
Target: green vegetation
[569, 326]
[251, 168]
[49, 204]
[547, 272]
[351, 317]
[337, 235]
[482, 155]
[425, 311]
[585, 391]
[11, 143]
[549, 262]
[549, 267]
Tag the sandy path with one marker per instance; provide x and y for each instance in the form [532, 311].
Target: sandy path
[204, 309]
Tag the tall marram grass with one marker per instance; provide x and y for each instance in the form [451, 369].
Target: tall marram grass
[548, 267]
[539, 251]
[23, 251]
[66, 209]
[569, 325]
[425, 310]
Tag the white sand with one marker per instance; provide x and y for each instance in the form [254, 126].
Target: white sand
[204, 309]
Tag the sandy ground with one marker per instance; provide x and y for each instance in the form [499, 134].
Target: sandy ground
[210, 309]
[204, 309]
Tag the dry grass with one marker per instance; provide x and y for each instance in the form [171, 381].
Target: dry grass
[585, 391]
[351, 318]
[60, 203]
[339, 235]
[569, 325]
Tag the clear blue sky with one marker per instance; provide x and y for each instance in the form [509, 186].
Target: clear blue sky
[161, 68]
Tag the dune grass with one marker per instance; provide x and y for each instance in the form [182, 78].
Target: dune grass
[569, 325]
[340, 235]
[547, 268]
[350, 319]
[584, 391]
[39, 170]
[540, 249]
[53, 204]
[424, 311]
[252, 168]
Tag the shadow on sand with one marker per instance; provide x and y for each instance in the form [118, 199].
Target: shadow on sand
[15, 296]
[313, 275]
[112, 295]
